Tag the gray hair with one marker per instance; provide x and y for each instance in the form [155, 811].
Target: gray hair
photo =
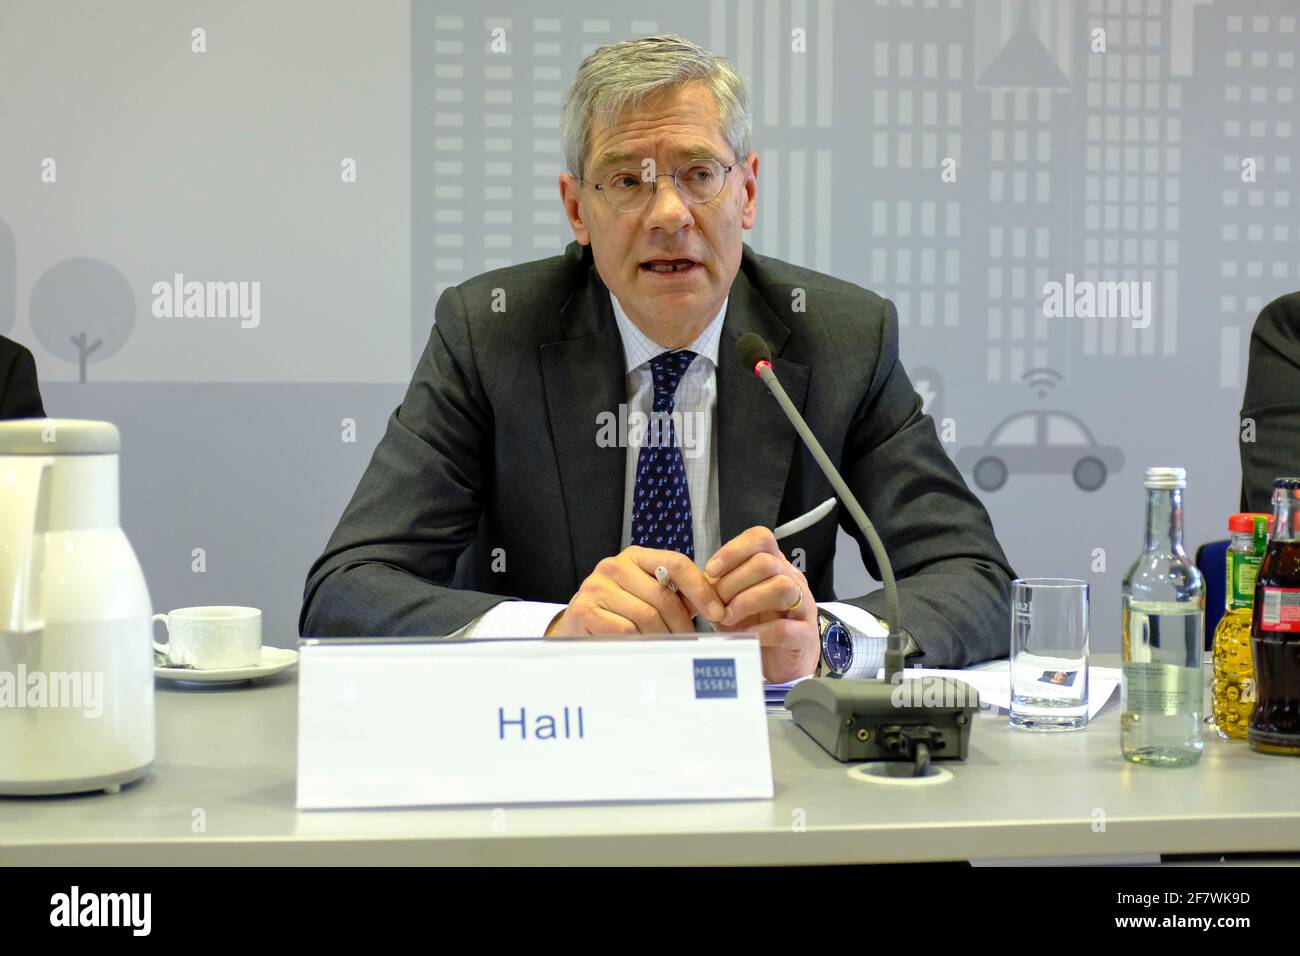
[619, 76]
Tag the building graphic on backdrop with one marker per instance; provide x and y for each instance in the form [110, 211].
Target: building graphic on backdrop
[1133, 162]
[1066, 123]
[489, 89]
[916, 90]
[1246, 88]
[1028, 103]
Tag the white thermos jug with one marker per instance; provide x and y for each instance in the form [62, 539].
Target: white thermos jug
[76, 655]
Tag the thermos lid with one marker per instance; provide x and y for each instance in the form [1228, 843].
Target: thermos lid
[58, 436]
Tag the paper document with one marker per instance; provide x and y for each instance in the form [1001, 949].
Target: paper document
[774, 694]
[993, 681]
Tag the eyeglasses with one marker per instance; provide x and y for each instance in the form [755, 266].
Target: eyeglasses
[697, 180]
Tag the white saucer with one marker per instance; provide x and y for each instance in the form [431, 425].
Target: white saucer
[274, 660]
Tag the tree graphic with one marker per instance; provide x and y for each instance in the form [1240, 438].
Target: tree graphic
[82, 309]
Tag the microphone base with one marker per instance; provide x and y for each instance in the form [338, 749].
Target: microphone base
[913, 720]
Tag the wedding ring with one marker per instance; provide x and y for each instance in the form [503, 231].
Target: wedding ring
[795, 606]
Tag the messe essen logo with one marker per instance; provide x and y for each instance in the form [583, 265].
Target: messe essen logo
[715, 677]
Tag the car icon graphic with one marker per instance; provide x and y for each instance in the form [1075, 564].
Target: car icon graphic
[1040, 443]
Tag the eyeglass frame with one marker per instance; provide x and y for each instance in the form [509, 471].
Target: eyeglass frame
[654, 183]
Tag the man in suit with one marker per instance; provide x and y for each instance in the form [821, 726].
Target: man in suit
[1271, 448]
[20, 396]
[503, 443]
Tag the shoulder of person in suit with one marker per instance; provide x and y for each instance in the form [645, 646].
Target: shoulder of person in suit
[1278, 326]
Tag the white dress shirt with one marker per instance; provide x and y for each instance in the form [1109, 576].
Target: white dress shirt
[695, 418]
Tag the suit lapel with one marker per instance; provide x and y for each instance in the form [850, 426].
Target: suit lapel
[755, 441]
[583, 377]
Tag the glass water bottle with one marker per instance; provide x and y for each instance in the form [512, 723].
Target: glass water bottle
[1162, 690]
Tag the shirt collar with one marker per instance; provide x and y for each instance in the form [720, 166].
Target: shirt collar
[639, 348]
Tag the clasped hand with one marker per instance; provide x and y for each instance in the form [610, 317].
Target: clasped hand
[748, 585]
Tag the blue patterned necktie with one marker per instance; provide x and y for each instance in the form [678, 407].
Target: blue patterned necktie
[661, 500]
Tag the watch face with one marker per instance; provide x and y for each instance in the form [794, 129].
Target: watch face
[837, 647]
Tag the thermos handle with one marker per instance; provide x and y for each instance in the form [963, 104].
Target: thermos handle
[24, 520]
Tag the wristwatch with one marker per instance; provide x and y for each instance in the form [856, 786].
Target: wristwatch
[844, 649]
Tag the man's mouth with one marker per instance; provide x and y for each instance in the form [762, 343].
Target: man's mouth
[663, 266]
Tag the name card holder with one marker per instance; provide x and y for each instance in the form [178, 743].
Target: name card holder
[392, 722]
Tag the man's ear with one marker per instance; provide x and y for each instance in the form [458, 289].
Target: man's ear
[750, 211]
[571, 197]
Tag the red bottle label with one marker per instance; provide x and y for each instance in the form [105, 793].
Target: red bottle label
[1281, 611]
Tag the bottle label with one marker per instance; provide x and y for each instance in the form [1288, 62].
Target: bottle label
[1243, 569]
[1260, 538]
[1281, 610]
[1160, 690]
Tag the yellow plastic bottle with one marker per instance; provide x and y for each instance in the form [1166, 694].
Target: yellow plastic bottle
[1233, 693]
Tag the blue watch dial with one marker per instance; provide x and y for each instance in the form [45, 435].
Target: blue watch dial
[837, 647]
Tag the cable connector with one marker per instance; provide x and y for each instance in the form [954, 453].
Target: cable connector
[917, 742]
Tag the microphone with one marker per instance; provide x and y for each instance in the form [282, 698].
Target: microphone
[756, 355]
[752, 349]
[868, 720]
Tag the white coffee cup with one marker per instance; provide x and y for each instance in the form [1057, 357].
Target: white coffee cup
[210, 638]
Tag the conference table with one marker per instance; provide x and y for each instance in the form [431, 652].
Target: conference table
[222, 792]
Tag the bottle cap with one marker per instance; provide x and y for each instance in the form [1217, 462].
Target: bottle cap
[1244, 522]
[1166, 479]
[1290, 484]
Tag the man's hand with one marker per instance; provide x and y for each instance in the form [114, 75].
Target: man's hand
[623, 596]
[761, 590]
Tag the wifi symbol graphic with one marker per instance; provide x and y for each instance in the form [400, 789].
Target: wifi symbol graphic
[1041, 380]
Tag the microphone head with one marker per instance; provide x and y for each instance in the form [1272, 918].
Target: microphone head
[752, 350]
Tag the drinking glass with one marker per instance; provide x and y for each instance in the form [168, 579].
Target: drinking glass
[1049, 654]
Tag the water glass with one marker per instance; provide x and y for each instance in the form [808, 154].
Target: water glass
[1049, 654]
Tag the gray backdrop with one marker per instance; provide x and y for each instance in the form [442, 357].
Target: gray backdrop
[353, 159]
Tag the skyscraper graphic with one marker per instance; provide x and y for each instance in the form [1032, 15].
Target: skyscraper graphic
[486, 98]
[1029, 105]
[1133, 166]
[917, 91]
[1243, 131]
[786, 51]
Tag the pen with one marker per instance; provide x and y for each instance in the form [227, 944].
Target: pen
[805, 520]
[661, 575]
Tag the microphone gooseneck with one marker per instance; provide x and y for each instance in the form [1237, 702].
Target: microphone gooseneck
[757, 357]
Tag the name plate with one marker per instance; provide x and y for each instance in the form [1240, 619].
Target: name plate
[391, 722]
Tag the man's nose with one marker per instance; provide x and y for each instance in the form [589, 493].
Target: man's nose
[667, 209]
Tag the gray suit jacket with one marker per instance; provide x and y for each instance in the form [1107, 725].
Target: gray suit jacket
[20, 397]
[1272, 401]
[489, 482]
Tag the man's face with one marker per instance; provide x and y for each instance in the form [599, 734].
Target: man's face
[631, 249]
